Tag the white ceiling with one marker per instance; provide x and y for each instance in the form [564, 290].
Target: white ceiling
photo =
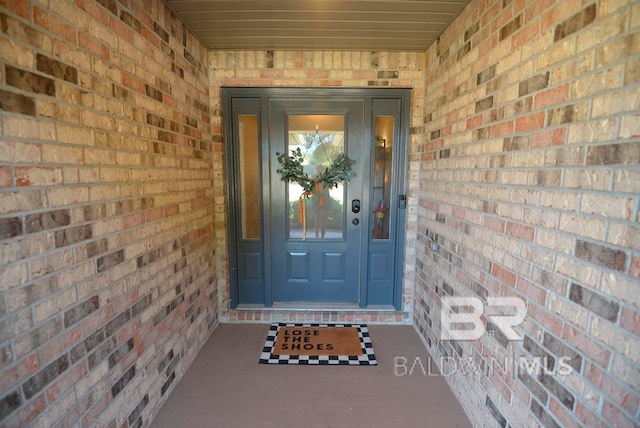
[405, 25]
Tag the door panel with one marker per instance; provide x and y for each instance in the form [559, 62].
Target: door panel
[313, 235]
[298, 266]
[251, 266]
[246, 213]
[333, 266]
[383, 234]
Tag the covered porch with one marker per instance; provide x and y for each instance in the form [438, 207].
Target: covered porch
[225, 386]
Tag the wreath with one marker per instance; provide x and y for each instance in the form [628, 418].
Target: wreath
[291, 170]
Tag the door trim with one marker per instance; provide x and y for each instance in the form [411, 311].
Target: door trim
[262, 96]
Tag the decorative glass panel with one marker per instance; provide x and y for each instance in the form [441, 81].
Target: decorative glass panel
[382, 163]
[319, 215]
[250, 181]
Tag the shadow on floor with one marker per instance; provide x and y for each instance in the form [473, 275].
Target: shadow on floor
[226, 387]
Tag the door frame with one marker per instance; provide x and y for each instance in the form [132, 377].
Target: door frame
[262, 96]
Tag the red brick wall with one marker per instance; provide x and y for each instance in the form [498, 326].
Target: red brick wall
[529, 187]
[107, 276]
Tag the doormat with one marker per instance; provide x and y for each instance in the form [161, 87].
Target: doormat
[318, 344]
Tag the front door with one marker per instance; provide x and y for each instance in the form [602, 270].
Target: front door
[331, 246]
[317, 238]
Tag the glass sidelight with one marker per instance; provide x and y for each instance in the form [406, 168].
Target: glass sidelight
[382, 172]
[250, 181]
[319, 215]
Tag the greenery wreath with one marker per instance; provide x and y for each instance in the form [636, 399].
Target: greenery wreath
[291, 170]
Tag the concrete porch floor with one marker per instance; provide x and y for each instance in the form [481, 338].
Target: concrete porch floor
[226, 387]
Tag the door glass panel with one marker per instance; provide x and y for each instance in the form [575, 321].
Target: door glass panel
[250, 182]
[382, 163]
[319, 215]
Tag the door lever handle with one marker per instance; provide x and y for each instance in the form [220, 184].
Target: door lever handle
[355, 206]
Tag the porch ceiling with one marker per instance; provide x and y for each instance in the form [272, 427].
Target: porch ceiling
[405, 25]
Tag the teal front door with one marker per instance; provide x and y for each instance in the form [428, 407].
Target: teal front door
[331, 247]
[317, 238]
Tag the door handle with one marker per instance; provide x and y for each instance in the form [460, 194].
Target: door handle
[355, 206]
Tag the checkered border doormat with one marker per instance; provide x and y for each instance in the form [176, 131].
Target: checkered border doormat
[368, 358]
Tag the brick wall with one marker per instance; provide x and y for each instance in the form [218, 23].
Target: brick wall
[524, 178]
[530, 188]
[317, 69]
[107, 275]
